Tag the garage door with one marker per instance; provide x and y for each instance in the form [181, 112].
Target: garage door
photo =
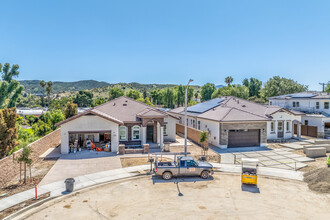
[242, 138]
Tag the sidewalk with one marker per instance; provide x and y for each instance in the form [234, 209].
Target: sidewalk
[58, 188]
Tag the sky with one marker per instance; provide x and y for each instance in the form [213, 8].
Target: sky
[167, 41]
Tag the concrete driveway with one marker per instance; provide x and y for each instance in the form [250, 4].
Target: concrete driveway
[81, 163]
[275, 158]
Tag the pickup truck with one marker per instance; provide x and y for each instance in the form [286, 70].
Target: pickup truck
[185, 166]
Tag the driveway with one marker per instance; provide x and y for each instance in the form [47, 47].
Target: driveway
[81, 163]
[275, 158]
[221, 198]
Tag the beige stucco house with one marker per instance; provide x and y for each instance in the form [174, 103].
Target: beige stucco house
[119, 121]
[235, 122]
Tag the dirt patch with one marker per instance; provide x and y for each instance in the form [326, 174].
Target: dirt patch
[85, 201]
[39, 169]
[202, 207]
[136, 161]
[68, 206]
[22, 205]
[318, 180]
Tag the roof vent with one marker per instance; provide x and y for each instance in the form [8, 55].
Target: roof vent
[237, 101]
[124, 104]
[114, 104]
[243, 105]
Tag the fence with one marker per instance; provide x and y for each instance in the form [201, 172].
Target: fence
[192, 133]
[9, 168]
[307, 130]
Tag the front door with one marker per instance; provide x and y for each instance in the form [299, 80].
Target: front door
[150, 133]
[280, 129]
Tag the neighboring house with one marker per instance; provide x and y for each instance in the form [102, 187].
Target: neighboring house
[30, 111]
[234, 122]
[119, 121]
[314, 104]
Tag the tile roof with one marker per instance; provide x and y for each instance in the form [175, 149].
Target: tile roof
[122, 109]
[303, 95]
[236, 109]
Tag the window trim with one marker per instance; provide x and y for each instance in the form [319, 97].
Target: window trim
[327, 105]
[126, 136]
[287, 127]
[164, 130]
[136, 128]
[317, 105]
[272, 127]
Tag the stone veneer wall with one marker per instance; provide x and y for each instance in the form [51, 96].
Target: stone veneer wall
[225, 127]
[9, 168]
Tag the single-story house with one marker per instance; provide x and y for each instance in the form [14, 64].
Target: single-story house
[234, 122]
[119, 121]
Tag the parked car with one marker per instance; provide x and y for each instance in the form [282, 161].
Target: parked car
[185, 166]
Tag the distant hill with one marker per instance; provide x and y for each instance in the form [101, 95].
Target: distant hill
[219, 86]
[33, 86]
[98, 88]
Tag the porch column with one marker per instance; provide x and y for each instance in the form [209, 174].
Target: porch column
[161, 135]
[144, 135]
[299, 130]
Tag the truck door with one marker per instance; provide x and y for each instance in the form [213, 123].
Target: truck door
[192, 168]
[183, 168]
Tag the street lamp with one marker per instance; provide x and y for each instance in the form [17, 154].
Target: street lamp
[185, 117]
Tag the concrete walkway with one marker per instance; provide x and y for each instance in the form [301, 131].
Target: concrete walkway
[58, 188]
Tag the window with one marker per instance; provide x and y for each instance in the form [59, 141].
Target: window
[288, 126]
[293, 104]
[317, 105]
[326, 105]
[272, 129]
[194, 124]
[165, 130]
[270, 103]
[136, 132]
[123, 133]
[306, 122]
[199, 125]
[191, 163]
[297, 104]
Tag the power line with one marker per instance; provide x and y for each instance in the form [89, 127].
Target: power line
[324, 84]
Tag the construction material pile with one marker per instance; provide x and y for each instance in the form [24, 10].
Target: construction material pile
[318, 180]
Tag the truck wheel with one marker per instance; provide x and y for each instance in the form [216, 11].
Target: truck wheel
[205, 174]
[167, 175]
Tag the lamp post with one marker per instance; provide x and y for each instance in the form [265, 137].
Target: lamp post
[185, 117]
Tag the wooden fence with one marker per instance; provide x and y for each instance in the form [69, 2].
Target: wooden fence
[307, 130]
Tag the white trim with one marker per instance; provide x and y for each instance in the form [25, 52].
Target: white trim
[133, 133]
[126, 131]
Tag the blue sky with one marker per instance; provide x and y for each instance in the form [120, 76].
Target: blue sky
[167, 41]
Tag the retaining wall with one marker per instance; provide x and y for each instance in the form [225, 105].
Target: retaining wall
[9, 168]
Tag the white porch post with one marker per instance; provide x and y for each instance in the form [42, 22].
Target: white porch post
[161, 136]
[299, 130]
[144, 135]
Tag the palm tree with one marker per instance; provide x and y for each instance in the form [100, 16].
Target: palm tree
[229, 80]
[42, 84]
[49, 90]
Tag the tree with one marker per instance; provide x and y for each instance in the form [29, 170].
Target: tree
[281, 86]
[203, 138]
[254, 86]
[327, 89]
[196, 95]
[10, 89]
[145, 94]
[157, 96]
[229, 80]
[8, 130]
[84, 99]
[168, 98]
[147, 101]
[41, 128]
[56, 117]
[25, 158]
[115, 93]
[133, 94]
[99, 101]
[43, 85]
[256, 100]
[239, 91]
[180, 95]
[71, 109]
[49, 90]
[207, 91]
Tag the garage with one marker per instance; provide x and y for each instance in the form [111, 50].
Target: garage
[79, 139]
[244, 138]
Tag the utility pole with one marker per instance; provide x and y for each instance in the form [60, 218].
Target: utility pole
[323, 85]
[185, 117]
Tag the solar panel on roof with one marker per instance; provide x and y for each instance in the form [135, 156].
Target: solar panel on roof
[303, 95]
[205, 106]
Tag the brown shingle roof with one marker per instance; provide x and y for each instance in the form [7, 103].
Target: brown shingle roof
[122, 109]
